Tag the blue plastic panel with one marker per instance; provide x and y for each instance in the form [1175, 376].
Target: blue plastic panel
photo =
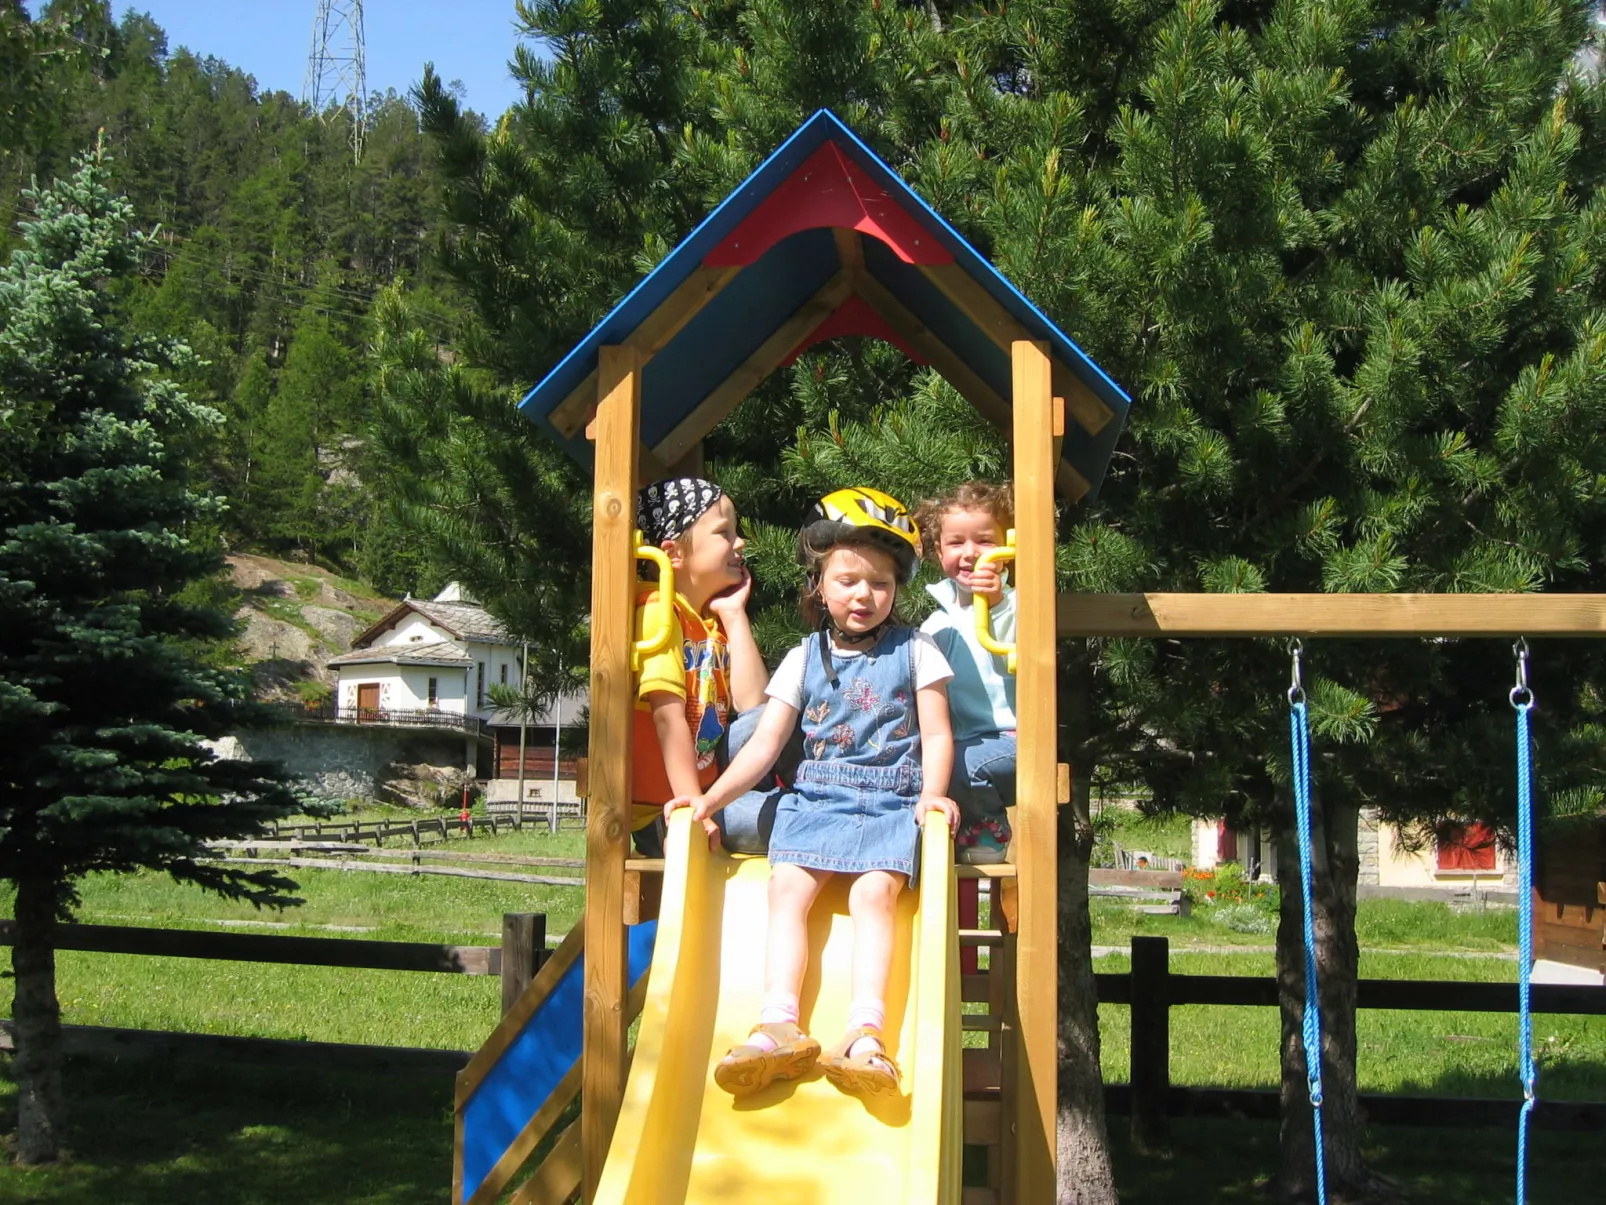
[531, 1068]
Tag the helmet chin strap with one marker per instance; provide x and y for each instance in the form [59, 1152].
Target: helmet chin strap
[828, 626]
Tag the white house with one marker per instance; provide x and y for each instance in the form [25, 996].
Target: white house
[427, 656]
[432, 663]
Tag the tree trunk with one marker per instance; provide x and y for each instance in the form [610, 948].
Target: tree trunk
[1081, 1138]
[1336, 863]
[41, 1108]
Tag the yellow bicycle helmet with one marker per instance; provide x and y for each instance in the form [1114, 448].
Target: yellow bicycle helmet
[861, 513]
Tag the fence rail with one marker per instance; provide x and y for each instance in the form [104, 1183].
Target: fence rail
[1151, 990]
[392, 717]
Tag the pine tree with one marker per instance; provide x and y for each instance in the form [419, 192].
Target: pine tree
[105, 696]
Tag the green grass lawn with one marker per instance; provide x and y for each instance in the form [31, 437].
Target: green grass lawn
[145, 1132]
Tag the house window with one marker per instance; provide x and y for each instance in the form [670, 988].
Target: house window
[479, 685]
[434, 692]
[504, 673]
[1466, 847]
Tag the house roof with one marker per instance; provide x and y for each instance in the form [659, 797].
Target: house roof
[822, 239]
[465, 621]
[573, 712]
[438, 652]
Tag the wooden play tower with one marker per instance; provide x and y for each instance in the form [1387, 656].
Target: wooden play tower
[824, 240]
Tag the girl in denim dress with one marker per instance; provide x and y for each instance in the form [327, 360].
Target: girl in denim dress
[871, 695]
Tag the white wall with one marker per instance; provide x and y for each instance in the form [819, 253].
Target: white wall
[405, 688]
[413, 629]
[494, 656]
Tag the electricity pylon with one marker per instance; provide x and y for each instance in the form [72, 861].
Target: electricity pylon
[336, 73]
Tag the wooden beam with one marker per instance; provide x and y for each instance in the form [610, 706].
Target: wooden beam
[1059, 429]
[972, 299]
[613, 580]
[653, 335]
[679, 308]
[575, 412]
[558, 1177]
[849, 249]
[1035, 1023]
[937, 353]
[1207, 615]
[691, 464]
[747, 377]
[1069, 482]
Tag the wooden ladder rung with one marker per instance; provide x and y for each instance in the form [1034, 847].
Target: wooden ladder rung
[982, 1071]
[984, 1122]
[981, 937]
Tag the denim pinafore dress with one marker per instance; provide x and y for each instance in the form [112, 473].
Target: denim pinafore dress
[851, 807]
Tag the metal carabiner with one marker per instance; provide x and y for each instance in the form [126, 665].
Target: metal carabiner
[1296, 686]
[1522, 695]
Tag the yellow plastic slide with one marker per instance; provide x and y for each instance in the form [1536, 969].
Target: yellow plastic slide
[680, 1138]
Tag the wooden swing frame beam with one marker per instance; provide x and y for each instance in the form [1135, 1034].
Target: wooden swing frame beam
[1331, 615]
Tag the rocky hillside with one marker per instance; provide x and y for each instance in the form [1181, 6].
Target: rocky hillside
[295, 617]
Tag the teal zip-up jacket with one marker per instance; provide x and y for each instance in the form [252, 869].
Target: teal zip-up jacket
[981, 694]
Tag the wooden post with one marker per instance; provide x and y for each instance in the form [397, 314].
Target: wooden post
[613, 577]
[1151, 1042]
[1036, 864]
[523, 943]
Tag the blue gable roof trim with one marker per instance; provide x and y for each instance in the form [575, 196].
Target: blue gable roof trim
[766, 293]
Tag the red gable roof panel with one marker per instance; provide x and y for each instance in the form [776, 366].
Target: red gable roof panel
[828, 189]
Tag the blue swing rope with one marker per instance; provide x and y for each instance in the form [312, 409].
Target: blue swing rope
[1522, 699]
[1299, 733]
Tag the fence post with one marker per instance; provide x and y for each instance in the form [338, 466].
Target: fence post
[1151, 1041]
[523, 943]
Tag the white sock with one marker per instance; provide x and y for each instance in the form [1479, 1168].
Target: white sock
[779, 1008]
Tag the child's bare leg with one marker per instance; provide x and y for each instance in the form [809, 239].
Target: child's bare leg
[777, 1048]
[873, 905]
[792, 893]
[793, 890]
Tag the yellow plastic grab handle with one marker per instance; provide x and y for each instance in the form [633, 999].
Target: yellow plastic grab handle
[655, 634]
[984, 616]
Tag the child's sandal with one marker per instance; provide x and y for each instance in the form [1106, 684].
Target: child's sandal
[872, 1074]
[749, 1069]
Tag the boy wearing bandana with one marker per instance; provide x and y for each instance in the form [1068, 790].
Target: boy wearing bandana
[711, 668]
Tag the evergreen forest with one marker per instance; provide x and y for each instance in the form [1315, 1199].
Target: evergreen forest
[271, 246]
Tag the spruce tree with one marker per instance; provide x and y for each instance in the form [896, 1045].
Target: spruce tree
[105, 692]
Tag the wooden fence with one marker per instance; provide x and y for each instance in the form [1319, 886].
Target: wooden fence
[516, 961]
[1150, 989]
[423, 831]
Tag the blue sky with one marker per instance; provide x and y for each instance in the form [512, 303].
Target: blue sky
[468, 40]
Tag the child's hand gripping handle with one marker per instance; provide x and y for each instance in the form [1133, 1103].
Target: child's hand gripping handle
[656, 631]
[984, 616]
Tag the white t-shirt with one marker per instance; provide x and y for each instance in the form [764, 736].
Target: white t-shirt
[786, 683]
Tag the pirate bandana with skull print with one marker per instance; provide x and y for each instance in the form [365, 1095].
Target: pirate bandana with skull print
[665, 509]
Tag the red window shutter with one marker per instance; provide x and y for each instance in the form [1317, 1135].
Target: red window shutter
[1466, 847]
[1226, 843]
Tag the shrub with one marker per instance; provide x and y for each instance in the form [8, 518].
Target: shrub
[1226, 885]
